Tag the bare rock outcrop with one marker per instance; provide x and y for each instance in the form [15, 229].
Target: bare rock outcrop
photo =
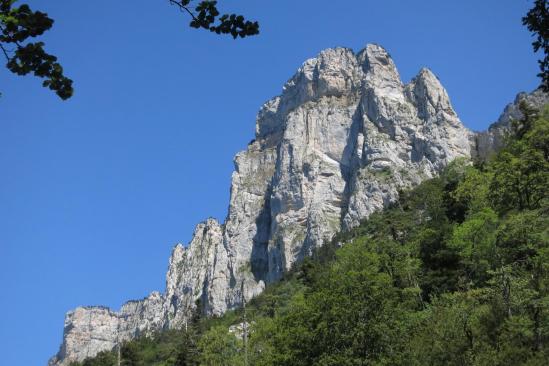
[489, 141]
[339, 143]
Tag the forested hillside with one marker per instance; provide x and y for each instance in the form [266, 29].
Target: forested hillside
[454, 273]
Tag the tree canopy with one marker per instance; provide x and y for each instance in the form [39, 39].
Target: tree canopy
[17, 26]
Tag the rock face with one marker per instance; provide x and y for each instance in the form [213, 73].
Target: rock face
[489, 141]
[339, 142]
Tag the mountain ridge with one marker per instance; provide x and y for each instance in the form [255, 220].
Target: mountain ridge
[338, 144]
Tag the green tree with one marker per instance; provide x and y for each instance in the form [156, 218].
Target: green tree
[472, 191]
[537, 22]
[130, 353]
[186, 352]
[451, 332]
[101, 359]
[475, 240]
[17, 26]
[521, 170]
[354, 312]
[219, 347]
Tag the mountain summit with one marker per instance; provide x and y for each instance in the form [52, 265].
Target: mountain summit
[343, 138]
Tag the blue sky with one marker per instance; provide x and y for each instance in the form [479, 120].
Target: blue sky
[95, 191]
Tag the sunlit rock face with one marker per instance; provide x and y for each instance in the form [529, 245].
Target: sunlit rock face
[339, 142]
[90, 330]
[489, 141]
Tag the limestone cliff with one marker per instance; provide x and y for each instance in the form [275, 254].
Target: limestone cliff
[486, 142]
[339, 142]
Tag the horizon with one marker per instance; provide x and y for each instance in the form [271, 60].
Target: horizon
[97, 190]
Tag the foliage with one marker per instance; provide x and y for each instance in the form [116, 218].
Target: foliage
[17, 25]
[455, 273]
[537, 22]
[207, 16]
[219, 347]
[521, 170]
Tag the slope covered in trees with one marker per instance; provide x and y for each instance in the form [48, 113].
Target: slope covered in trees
[454, 273]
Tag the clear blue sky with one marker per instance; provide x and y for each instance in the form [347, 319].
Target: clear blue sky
[95, 191]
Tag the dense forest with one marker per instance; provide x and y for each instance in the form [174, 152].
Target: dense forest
[454, 273]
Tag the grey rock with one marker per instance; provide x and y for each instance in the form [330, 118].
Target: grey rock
[90, 330]
[339, 143]
[490, 141]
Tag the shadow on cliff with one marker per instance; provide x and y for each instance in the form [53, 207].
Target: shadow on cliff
[351, 163]
[259, 261]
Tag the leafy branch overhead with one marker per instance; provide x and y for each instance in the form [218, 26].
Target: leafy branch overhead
[537, 22]
[17, 26]
[206, 15]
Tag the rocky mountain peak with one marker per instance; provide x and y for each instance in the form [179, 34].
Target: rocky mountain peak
[339, 143]
[334, 72]
[380, 70]
[430, 96]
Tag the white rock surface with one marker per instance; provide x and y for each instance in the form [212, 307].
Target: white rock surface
[339, 142]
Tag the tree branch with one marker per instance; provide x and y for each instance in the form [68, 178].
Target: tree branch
[5, 52]
[2, 46]
[182, 8]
